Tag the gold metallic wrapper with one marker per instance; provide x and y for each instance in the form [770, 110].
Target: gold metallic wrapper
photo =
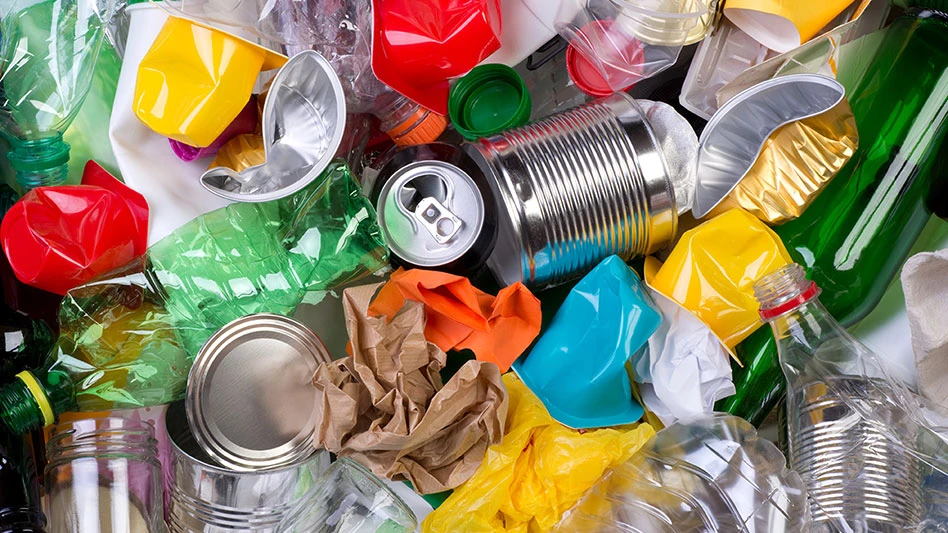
[241, 152]
[794, 165]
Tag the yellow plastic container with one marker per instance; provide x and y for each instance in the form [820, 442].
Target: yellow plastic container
[712, 270]
[195, 79]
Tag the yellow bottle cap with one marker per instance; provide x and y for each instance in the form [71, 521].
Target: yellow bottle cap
[39, 395]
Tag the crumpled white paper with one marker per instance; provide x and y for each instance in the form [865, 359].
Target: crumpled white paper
[685, 369]
[925, 283]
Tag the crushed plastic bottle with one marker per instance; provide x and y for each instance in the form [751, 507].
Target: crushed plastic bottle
[128, 339]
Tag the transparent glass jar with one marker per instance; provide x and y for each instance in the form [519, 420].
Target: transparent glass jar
[104, 477]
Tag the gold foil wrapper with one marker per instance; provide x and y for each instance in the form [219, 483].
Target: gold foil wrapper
[796, 162]
[241, 152]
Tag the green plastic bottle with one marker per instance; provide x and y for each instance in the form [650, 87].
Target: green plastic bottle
[128, 339]
[855, 236]
[48, 52]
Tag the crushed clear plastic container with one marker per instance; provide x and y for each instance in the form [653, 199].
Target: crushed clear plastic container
[707, 474]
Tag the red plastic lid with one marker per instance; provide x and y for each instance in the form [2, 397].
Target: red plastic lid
[419, 44]
[624, 49]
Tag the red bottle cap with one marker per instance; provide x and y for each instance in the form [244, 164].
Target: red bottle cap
[808, 294]
[588, 76]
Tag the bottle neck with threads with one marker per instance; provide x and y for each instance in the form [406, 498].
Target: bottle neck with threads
[35, 399]
[406, 122]
[803, 328]
[40, 162]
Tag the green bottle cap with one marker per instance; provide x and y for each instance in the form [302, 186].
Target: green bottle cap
[489, 99]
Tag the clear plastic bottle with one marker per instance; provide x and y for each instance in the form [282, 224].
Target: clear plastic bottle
[49, 50]
[341, 31]
[127, 340]
[846, 438]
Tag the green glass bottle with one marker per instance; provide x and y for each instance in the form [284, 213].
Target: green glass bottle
[855, 236]
[128, 339]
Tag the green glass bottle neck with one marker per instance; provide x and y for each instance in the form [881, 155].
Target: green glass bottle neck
[41, 162]
[35, 399]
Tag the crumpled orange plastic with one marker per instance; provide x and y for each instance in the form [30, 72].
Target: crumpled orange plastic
[460, 316]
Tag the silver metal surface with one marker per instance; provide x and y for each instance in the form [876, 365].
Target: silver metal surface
[575, 188]
[304, 118]
[209, 499]
[735, 135]
[430, 213]
[251, 402]
[852, 470]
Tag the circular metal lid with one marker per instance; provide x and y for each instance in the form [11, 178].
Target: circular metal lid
[430, 213]
[251, 403]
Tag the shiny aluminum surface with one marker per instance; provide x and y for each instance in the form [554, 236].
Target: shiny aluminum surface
[850, 466]
[304, 118]
[735, 135]
[207, 498]
[430, 213]
[575, 188]
[258, 368]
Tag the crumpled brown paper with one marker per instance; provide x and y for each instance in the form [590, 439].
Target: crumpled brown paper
[386, 407]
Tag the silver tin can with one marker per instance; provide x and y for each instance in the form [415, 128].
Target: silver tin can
[250, 400]
[574, 189]
[207, 498]
[435, 209]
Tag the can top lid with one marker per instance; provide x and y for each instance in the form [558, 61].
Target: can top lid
[260, 368]
[430, 213]
[489, 99]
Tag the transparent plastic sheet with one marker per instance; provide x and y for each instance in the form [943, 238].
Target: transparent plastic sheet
[706, 474]
[627, 41]
[48, 51]
[128, 339]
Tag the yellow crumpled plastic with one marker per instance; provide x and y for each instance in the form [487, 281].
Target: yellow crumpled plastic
[713, 268]
[538, 471]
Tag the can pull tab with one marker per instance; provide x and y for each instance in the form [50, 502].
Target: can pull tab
[435, 217]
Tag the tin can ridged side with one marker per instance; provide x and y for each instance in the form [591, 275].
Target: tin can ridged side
[574, 189]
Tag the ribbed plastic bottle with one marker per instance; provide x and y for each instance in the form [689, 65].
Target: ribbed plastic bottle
[844, 432]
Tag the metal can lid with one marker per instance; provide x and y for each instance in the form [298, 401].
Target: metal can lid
[430, 213]
[250, 401]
